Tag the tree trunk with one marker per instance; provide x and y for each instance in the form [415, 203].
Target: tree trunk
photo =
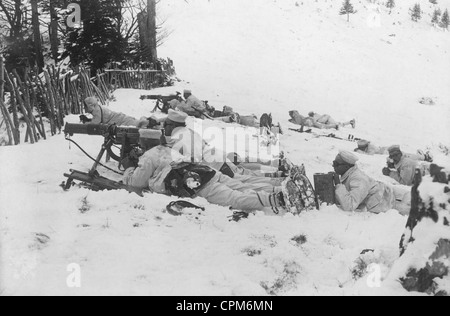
[16, 26]
[151, 23]
[147, 32]
[53, 31]
[2, 79]
[37, 35]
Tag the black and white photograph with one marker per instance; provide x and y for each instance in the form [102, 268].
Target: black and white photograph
[236, 149]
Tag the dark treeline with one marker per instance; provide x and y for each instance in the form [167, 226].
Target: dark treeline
[35, 33]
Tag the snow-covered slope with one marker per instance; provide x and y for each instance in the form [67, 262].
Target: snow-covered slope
[257, 56]
[276, 55]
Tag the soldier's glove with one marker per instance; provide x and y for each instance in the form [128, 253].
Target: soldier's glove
[84, 119]
[128, 163]
[386, 172]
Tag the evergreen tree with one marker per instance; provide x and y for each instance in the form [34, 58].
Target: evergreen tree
[416, 13]
[436, 16]
[99, 40]
[347, 8]
[390, 5]
[445, 20]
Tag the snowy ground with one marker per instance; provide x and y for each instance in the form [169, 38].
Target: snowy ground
[257, 56]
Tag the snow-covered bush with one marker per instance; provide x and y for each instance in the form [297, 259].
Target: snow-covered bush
[425, 247]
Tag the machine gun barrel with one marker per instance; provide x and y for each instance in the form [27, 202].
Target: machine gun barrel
[86, 129]
[162, 98]
[118, 133]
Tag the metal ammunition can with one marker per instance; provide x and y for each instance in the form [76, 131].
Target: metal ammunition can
[325, 188]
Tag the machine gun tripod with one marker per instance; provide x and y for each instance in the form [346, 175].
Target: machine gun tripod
[128, 138]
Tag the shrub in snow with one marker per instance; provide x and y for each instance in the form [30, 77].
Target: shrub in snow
[425, 246]
[286, 281]
[427, 101]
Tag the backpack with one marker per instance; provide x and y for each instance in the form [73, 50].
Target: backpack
[175, 181]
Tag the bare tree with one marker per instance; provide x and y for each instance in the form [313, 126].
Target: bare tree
[148, 31]
[13, 13]
[53, 31]
[37, 35]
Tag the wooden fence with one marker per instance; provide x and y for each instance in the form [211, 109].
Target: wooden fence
[134, 79]
[53, 95]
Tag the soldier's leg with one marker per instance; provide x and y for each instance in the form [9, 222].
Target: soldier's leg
[259, 183]
[255, 185]
[327, 122]
[416, 157]
[274, 182]
[225, 119]
[220, 194]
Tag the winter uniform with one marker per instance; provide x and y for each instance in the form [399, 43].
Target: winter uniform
[314, 120]
[193, 147]
[405, 171]
[105, 116]
[359, 192]
[192, 106]
[157, 165]
[249, 120]
[367, 148]
[324, 121]
[298, 119]
[174, 104]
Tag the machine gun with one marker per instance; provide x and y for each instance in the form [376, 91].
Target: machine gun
[127, 138]
[164, 100]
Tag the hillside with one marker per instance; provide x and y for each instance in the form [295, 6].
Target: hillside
[257, 56]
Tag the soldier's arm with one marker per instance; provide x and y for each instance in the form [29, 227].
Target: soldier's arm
[183, 106]
[351, 200]
[406, 175]
[139, 177]
[96, 116]
[395, 175]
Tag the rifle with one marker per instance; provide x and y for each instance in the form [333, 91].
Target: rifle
[351, 138]
[128, 138]
[160, 99]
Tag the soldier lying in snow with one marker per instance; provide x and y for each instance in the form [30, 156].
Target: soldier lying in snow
[359, 192]
[105, 116]
[193, 147]
[400, 168]
[318, 121]
[192, 106]
[365, 147]
[164, 170]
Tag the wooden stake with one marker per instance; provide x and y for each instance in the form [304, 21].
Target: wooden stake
[7, 120]
[16, 131]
